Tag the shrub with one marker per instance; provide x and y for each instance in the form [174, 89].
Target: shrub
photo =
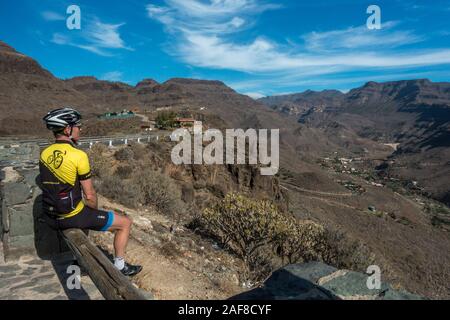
[245, 226]
[300, 240]
[124, 191]
[124, 172]
[260, 234]
[242, 223]
[158, 190]
[165, 120]
[217, 190]
[124, 154]
[174, 171]
[100, 166]
[139, 150]
[344, 253]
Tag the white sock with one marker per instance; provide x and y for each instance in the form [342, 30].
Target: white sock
[119, 262]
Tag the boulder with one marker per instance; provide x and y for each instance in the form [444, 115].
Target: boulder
[319, 281]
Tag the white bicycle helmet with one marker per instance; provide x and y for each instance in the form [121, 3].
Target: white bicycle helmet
[60, 118]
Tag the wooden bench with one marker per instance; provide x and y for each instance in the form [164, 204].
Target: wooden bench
[111, 283]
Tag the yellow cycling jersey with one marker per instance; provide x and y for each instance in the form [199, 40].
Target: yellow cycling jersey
[62, 167]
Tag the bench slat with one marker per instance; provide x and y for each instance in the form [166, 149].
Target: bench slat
[112, 284]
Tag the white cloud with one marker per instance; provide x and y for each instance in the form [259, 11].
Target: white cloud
[52, 16]
[112, 76]
[215, 17]
[218, 8]
[262, 55]
[207, 34]
[254, 95]
[206, 41]
[59, 38]
[97, 37]
[360, 37]
[104, 35]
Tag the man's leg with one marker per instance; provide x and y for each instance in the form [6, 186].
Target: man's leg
[99, 220]
[121, 225]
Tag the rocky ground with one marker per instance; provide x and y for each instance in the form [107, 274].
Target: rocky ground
[178, 264]
[31, 278]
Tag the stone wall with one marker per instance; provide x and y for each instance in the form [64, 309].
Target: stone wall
[22, 229]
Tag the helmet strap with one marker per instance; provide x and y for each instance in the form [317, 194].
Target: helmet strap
[70, 135]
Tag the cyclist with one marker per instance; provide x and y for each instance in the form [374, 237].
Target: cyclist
[66, 179]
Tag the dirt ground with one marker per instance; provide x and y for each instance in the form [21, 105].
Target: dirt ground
[178, 264]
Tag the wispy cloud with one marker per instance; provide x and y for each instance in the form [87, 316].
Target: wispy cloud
[52, 16]
[204, 33]
[104, 35]
[215, 17]
[112, 76]
[360, 38]
[97, 37]
[262, 55]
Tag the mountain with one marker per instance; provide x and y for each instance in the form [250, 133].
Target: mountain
[27, 91]
[301, 104]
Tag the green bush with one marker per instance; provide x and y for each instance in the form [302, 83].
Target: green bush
[257, 232]
[242, 223]
[300, 241]
[165, 120]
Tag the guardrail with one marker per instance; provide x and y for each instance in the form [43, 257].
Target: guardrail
[90, 141]
[111, 283]
[87, 140]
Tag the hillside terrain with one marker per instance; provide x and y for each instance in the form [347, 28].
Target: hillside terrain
[411, 116]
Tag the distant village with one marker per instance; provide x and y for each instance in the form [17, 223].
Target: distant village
[161, 119]
[359, 167]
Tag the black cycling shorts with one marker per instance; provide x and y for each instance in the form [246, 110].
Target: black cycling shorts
[87, 218]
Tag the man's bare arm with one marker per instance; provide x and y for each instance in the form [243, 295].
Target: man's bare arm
[90, 196]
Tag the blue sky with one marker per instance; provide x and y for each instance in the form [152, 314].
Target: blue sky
[257, 47]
